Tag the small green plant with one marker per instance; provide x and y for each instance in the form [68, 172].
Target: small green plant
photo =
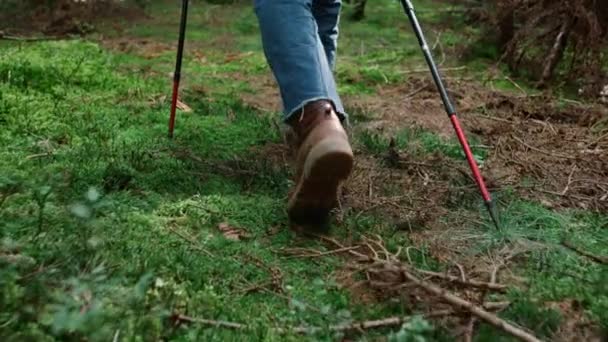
[544, 322]
[41, 195]
[373, 142]
[415, 330]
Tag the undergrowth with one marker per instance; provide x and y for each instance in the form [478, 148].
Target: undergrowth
[109, 229]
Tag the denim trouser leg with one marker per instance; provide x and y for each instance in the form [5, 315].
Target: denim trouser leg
[327, 15]
[299, 40]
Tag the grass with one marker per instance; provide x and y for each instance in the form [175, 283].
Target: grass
[555, 273]
[98, 193]
[419, 142]
[108, 227]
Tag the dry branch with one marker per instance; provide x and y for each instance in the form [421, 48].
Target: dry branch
[217, 324]
[25, 39]
[540, 34]
[16, 259]
[479, 312]
[469, 329]
[457, 280]
[557, 51]
[366, 325]
[363, 325]
[311, 253]
[450, 298]
[189, 239]
[414, 71]
[555, 155]
[596, 258]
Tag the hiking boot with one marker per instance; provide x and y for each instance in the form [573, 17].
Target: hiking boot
[324, 159]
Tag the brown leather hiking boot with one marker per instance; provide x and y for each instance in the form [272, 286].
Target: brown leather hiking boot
[324, 159]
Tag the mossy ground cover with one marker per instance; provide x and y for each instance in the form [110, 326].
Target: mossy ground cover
[109, 229]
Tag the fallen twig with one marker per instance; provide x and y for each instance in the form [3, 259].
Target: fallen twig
[218, 324]
[366, 325]
[413, 71]
[474, 283]
[555, 155]
[469, 329]
[411, 94]
[494, 118]
[17, 259]
[496, 305]
[462, 272]
[311, 253]
[255, 287]
[26, 39]
[194, 243]
[116, 335]
[582, 198]
[479, 312]
[569, 181]
[363, 325]
[596, 258]
[525, 93]
[39, 155]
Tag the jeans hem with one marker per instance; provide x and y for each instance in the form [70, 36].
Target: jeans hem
[288, 114]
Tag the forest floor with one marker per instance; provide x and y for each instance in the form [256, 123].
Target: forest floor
[109, 230]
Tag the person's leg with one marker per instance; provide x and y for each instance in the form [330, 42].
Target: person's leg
[296, 54]
[327, 15]
[312, 107]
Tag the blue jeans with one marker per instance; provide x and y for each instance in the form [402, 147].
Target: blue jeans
[299, 39]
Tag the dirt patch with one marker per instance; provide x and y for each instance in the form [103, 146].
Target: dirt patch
[266, 96]
[411, 193]
[575, 325]
[560, 151]
[374, 274]
[276, 155]
[415, 103]
[65, 17]
[563, 149]
[358, 288]
[146, 48]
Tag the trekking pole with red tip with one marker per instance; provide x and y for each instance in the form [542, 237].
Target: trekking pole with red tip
[178, 66]
[408, 7]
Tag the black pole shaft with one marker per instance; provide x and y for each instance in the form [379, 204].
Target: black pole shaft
[178, 65]
[408, 7]
[182, 38]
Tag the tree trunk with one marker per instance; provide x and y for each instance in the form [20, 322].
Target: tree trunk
[506, 23]
[557, 51]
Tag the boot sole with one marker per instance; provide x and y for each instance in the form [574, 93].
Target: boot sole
[329, 163]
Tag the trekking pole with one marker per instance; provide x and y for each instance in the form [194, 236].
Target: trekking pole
[408, 7]
[178, 65]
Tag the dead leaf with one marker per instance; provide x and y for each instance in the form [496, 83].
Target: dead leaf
[200, 57]
[231, 115]
[237, 56]
[232, 233]
[274, 230]
[183, 107]
[157, 100]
